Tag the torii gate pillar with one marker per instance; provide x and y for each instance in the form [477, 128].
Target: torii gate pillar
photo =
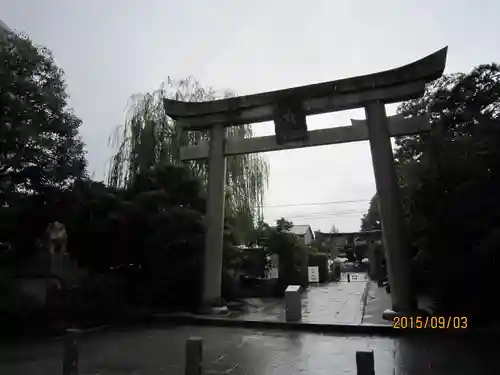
[393, 231]
[214, 237]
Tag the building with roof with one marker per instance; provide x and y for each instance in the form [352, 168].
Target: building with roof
[304, 232]
[4, 29]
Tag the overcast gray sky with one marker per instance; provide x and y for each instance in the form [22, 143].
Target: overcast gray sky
[111, 49]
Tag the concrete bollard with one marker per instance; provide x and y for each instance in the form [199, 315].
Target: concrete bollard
[70, 352]
[194, 355]
[365, 363]
[293, 307]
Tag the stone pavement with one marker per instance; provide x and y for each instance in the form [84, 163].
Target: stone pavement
[340, 303]
[333, 303]
[238, 351]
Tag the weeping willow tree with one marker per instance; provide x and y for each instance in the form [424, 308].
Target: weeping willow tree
[150, 138]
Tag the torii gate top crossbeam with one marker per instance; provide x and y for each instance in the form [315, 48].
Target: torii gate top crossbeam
[389, 86]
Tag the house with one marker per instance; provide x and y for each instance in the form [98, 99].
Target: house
[304, 232]
[4, 29]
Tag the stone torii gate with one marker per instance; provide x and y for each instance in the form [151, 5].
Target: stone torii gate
[288, 109]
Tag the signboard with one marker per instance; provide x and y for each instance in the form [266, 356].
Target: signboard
[313, 274]
[289, 121]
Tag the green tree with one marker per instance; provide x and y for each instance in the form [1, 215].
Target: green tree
[291, 251]
[41, 153]
[452, 170]
[259, 234]
[371, 220]
[151, 138]
[334, 229]
[283, 225]
[325, 245]
[40, 149]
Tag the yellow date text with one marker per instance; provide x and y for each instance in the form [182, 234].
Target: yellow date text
[432, 322]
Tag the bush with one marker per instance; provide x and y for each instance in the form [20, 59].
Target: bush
[150, 233]
[97, 300]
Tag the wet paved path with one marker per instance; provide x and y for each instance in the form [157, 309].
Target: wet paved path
[241, 351]
[333, 303]
[340, 303]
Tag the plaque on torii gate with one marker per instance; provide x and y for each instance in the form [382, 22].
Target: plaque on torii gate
[288, 109]
[289, 121]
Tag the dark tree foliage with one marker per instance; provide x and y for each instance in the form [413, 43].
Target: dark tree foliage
[41, 153]
[39, 144]
[371, 220]
[292, 253]
[152, 234]
[283, 225]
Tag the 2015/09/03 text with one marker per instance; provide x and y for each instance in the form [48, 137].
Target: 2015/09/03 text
[434, 322]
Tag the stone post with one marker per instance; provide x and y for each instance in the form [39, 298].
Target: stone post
[212, 261]
[396, 249]
[70, 353]
[365, 363]
[194, 356]
[293, 306]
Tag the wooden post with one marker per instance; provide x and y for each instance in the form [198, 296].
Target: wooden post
[70, 352]
[194, 356]
[212, 273]
[396, 249]
[365, 363]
